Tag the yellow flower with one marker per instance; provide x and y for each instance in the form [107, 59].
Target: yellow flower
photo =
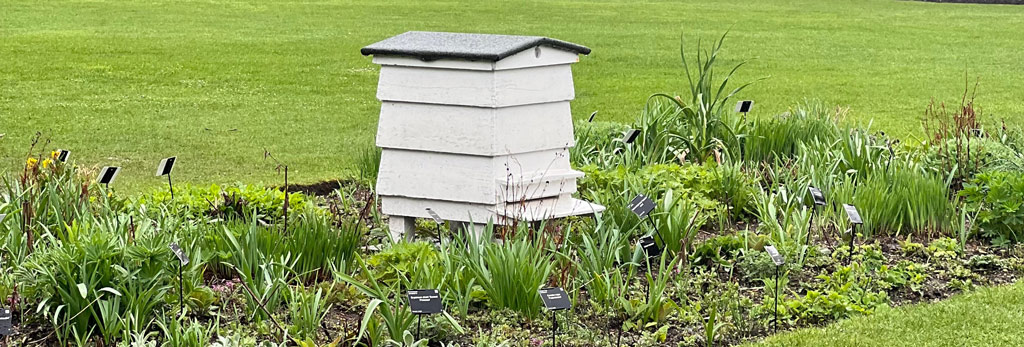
[54, 154]
[31, 162]
[46, 163]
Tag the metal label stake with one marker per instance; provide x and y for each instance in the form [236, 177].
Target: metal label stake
[744, 107]
[855, 220]
[108, 174]
[555, 299]
[164, 169]
[424, 302]
[438, 221]
[182, 261]
[779, 260]
[819, 200]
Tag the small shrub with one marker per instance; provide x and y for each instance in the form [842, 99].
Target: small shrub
[998, 198]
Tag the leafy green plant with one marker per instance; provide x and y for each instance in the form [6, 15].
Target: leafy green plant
[707, 126]
[511, 272]
[996, 198]
[654, 307]
[182, 332]
[307, 310]
[318, 243]
[386, 302]
[677, 222]
[258, 265]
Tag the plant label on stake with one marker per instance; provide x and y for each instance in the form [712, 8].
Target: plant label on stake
[641, 206]
[852, 214]
[164, 169]
[182, 261]
[744, 106]
[855, 220]
[651, 248]
[422, 302]
[630, 136]
[6, 326]
[554, 299]
[62, 155]
[178, 252]
[438, 221]
[433, 215]
[819, 198]
[778, 260]
[108, 174]
[165, 166]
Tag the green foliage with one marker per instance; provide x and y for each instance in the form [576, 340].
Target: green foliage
[511, 272]
[178, 332]
[717, 250]
[771, 139]
[320, 244]
[307, 310]
[997, 199]
[904, 200]
[596, 143]
[708, 126]
[254, 256]
[231, 202]
[676, 222]
[393, 264]
[845, 292]
[654, 307]
[368, 164]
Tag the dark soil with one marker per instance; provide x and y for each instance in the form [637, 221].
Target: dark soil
[323, 188]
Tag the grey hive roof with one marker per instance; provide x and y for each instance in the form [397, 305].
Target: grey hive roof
[437, 45]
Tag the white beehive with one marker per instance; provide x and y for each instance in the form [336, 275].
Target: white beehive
[475, 127]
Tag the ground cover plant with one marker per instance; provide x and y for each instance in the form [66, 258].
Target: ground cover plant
[90, 266]
[216, 83]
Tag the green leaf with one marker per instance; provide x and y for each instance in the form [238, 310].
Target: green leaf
[82, 290]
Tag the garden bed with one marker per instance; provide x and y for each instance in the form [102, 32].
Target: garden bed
[315, 265]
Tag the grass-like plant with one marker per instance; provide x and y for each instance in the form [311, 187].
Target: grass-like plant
[677, 221]
[307, 310]
[511, 272]
[316, 244]
[707, 126]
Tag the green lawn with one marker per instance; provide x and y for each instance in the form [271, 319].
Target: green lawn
[127, 83]
[987, 317]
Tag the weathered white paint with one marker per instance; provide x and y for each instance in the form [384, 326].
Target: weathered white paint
[449, 210]
[477, 141]
[536, 185]
[475, 179]
[399, 226]
[476, 88]
[549, 208]
[528, 58]
[475, 130]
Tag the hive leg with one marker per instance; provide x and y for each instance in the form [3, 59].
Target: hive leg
[400, 226]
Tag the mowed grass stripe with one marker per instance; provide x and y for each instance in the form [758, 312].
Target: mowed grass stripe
[986, 317]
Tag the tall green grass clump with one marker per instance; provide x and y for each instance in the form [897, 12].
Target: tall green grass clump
[768, 139]
[511, 272]
[906, 199]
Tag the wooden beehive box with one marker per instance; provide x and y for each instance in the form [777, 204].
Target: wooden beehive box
[476, 127]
